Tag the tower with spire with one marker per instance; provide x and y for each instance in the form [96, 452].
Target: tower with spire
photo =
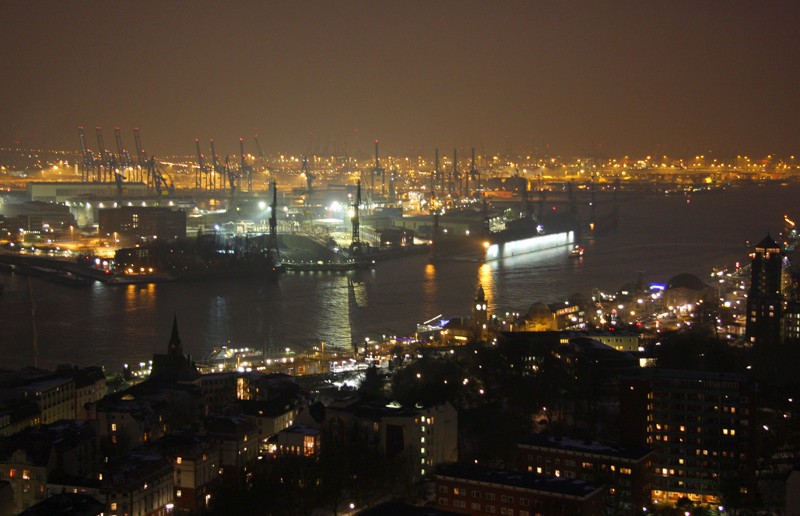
[480, 312]
[174, 366]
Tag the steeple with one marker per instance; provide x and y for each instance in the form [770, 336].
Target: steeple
[175, 347]
[480, 314]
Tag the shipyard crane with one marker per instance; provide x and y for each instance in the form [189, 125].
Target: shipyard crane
[526, 210]
[455, 175]
[161, 181]
[392, 179]
[262, 158]
[434, 178]
[202, 167]
[106, 160]
[542, 194]
[89, 161]
[272, 245]
[124, 156]
[356, 244]
[141, 155]
[306, 171]
[245, 170]
[216, 167]
[379, 171]
[231, 175]
[474, 173]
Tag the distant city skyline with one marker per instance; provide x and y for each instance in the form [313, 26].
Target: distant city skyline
[559, 78]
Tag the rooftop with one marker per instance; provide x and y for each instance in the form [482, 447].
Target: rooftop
[559, 486]
[585, 446]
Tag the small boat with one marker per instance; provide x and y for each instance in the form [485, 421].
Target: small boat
[576, 251]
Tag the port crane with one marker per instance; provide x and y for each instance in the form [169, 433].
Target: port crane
[377, 170]
[157, 178]
[89, 170]
[392, 180]
[455, 175]
[216, 167]
[272, 244]
[306, 171]
[474, 174]
[141, 155]
[261, 157]
[110, 164]
[356, 246]
[434, 179]
[124, 156]
[231, 175]
[245, 170]
[202, 167]
[106, 159]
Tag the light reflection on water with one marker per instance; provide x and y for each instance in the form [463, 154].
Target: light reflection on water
[657, 236]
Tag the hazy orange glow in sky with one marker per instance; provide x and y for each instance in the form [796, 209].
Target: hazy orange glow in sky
[564, 77]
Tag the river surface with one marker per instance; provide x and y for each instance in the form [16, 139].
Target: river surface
[658, 237]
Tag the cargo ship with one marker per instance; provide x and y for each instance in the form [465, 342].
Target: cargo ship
[460, 238]
[206, 257]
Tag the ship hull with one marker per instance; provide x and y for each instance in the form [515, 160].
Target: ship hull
[497, 247]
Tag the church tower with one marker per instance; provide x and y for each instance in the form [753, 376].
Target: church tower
[175, 347]
[480, 309]
[173, 367]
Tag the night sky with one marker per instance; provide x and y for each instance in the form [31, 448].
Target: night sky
[603, 78]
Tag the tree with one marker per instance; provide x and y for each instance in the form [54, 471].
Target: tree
[373, 382]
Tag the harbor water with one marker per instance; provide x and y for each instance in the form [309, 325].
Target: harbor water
[658, 236]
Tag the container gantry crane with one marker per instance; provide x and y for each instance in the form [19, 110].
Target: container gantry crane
[107, 161]
[89, 169]
[245, 170]
[124, 156]
[231, 175]
[202, 167]
[216, 167]
[141, 155]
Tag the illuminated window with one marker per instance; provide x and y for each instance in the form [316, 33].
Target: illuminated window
[113, 506]
[179, 460]
[178, 493]
[113, 427]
